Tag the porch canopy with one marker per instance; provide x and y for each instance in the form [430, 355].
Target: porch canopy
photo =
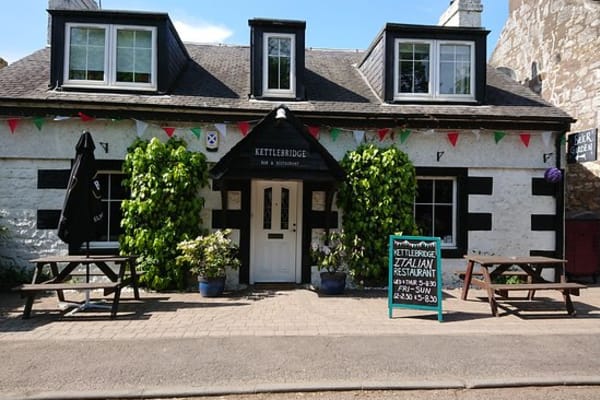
[278, 147]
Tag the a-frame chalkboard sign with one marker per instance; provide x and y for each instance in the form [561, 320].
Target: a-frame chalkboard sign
[415, 273]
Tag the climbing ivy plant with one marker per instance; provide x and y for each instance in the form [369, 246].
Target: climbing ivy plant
[377, 201]
[164, 180]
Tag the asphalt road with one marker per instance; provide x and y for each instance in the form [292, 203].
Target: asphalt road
[241, 365]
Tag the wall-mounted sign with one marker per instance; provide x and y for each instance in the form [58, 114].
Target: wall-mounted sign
[279, 157]
[415, 273]
[582, 146]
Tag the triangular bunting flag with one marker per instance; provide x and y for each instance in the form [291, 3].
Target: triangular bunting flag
[140, 127]
[381, 133]
[477, 134]
[39, 122]
[197, 132]
[453, 137]
[84, 117]
[499, 135]
[12, 124]
[563, 139]
[429, 132]
[525, 137]
[335, 132]
[222, 128]
[314, 131]
[169, 130]
[359, 136]
[244, 127]
[546, 137]
[404, 134]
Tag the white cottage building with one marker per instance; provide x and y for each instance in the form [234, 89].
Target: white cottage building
[474, 134]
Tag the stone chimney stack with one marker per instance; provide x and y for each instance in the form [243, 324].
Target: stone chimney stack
[462, 13]
[68, 5]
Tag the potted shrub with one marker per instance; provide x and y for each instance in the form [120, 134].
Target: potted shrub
[332, 255]
[208, 257]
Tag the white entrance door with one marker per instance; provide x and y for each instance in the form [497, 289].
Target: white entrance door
[275, 245]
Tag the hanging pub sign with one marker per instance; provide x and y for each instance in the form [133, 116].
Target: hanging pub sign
[415, 273]
[582, 146]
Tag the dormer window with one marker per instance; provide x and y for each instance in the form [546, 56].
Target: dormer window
[277, 59]
[279, 65]
[434, 70]
[117, 56]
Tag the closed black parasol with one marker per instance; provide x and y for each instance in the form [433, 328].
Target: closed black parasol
[82, 209]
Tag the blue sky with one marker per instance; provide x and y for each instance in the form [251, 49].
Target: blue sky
[337, 24]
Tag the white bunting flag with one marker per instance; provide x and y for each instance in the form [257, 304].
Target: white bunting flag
[140, 127]
[359, 136]
[546, 137]
[222, 128]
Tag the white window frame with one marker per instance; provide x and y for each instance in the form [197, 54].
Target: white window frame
[110, 58]
[397, 94]
[452, 244]
[291, 92]
[434, 71]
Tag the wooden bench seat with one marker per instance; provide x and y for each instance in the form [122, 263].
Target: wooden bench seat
[42, 287]
[572, 288]
[29, 291]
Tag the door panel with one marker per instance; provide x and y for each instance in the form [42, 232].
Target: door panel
[274, 231]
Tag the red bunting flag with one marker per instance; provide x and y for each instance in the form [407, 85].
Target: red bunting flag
[314, 131]
[244, 127]
[453, 137]
[382, 132]
[12, 124]
[525, 137]
[84, 117]
[169, 130]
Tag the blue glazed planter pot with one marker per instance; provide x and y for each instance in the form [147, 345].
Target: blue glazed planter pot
[211, 287]
[333, 283]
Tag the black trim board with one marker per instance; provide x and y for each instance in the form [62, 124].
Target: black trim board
[540, 222]
[540, 187]
[480, 222]
[48, 219]
[53, 178]
[480, 185]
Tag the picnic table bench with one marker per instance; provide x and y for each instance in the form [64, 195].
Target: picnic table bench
[491, 267]
[60, 280]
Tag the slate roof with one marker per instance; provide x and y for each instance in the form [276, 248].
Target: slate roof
[217, 81]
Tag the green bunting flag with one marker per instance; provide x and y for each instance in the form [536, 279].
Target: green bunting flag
[404, 134]
[335, 132]
[197, 132]
[499, 135]
[39, 122]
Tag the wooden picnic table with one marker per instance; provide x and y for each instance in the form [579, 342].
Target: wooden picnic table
[124, 275]
[491, 267]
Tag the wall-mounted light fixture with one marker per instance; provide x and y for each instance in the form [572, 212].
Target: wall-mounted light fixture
[104, 146]
[280, 113]
[439, 155]
[547, 156]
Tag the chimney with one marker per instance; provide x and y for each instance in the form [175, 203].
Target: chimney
[69, 5]
[465, 13]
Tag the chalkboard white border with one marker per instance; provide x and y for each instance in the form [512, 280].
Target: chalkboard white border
[438, 252]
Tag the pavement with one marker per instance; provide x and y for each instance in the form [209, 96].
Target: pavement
[293, 339]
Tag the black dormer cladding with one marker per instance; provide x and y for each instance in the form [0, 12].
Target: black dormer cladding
[258, 27]
[172, 56]
[378, 64]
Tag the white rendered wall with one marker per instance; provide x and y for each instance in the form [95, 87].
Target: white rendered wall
[509, 162]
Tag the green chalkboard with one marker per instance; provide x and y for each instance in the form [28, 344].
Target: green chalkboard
[415, 273]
